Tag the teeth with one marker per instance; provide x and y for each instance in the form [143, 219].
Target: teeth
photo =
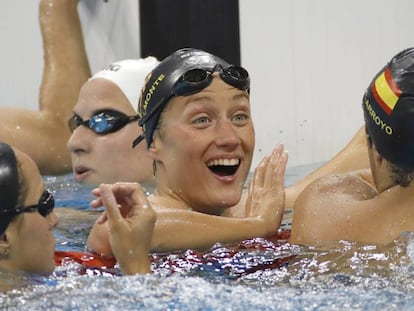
[223, 162]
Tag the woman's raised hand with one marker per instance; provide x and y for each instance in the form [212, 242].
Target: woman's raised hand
[266, 196]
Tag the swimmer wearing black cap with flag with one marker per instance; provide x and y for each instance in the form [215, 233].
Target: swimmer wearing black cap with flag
[347, 207]
[195, 115]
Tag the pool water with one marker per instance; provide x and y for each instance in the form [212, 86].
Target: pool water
[256, 274]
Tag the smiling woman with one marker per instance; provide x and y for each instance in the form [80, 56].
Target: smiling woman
[195, 116]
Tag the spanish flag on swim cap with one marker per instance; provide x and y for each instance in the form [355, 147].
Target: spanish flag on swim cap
[388, 106]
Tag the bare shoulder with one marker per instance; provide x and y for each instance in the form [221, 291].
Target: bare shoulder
[352, 186]
[321, 207]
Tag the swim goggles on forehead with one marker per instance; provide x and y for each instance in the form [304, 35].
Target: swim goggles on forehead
[44, 206]
[197, 79]
[103, 122]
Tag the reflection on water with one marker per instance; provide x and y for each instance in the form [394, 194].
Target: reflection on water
[256, 274]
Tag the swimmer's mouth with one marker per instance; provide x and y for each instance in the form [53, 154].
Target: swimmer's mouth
[81, 169]
[224, 167]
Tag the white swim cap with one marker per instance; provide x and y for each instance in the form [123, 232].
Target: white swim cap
[129, 75]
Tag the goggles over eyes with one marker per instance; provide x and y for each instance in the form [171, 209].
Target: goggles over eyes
[44, 207]
[103, 122]
[195, 80]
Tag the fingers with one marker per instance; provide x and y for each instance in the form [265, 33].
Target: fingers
[275, 173]
[121, 200]
[111, 206]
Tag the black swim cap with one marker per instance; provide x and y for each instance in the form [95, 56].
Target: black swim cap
[9, 184]
[388, 106]
[160, 83]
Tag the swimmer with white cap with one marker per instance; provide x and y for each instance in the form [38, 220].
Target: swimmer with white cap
[105, 122]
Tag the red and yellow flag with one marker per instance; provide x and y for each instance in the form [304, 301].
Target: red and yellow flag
[386, 92]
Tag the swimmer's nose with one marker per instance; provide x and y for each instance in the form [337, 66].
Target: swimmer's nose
[227, 134]
[80, 140]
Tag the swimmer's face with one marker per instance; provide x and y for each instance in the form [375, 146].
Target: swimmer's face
[30, 235]
[107, 158]
[205, 147]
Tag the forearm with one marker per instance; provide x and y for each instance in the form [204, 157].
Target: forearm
[352, 157]
[134, 262]
[66, 65]
[177, 230]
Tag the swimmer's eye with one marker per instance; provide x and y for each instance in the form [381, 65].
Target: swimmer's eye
[240, 118]
[201, 121]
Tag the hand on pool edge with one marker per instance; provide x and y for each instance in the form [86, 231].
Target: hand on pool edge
[266, 195]
[130, 221]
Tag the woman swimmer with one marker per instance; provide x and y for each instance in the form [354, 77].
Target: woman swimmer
[195, 113]
[27, 220]
[104, 123]
[93, 157]
[43, 134]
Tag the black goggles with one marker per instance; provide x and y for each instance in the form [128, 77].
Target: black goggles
[103, 122]
[44, 207]
[195, 80]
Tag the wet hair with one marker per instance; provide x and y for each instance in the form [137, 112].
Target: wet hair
[388, 106]
[400, 176]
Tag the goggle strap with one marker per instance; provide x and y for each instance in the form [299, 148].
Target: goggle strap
[138, 140]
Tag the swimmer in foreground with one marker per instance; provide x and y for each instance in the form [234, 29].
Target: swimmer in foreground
[104, 122]
[43, 134]
[195, 114]
[347, 207]
[27, 220]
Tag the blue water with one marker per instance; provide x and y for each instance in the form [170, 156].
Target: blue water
[256, 274]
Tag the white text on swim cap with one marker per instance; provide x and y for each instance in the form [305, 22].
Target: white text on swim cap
[384, 126]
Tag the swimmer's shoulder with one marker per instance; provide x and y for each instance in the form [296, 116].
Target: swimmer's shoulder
[350, 186]
[321, 208]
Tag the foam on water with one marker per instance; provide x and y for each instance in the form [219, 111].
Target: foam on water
[256, 274]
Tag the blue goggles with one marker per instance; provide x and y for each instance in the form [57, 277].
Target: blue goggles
[103, 122]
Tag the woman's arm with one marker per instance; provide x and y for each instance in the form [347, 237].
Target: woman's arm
[43, 134]
[352, 157]
[182, 229]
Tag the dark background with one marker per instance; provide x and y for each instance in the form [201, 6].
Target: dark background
[209, 25]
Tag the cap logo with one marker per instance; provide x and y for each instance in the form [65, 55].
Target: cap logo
[113, 67]
[386, 92]
[377, 120]
[148, 95]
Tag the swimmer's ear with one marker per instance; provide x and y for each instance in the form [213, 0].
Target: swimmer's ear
[155, 147]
